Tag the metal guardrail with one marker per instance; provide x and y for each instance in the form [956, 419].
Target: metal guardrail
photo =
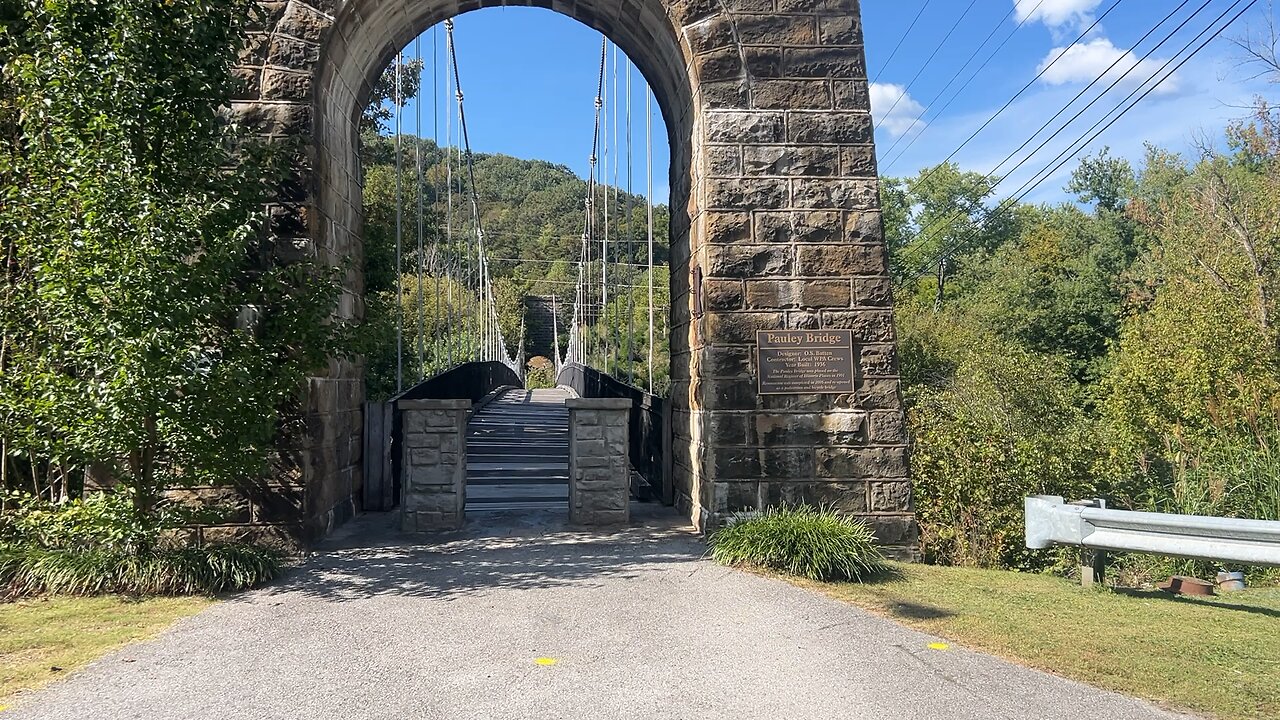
[1051, 521]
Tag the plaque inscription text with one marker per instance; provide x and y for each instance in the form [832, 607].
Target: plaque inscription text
[804, 361]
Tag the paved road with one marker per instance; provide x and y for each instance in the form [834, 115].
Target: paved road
[637, 624]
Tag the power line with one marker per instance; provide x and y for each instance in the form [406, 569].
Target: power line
[926, 63]
[929, 232]
[1024, 88]
[966, 84]
[1067, 154]
[900, 41]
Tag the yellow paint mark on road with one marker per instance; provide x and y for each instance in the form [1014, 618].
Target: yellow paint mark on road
[938, 646]
[545, 661]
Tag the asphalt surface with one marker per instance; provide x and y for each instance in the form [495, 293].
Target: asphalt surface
[526, 620]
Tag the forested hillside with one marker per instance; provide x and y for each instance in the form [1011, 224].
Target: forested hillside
[532, 216]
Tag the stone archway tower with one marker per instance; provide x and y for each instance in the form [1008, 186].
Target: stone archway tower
[775, 225]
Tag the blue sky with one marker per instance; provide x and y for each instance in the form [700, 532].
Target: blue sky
[529, 81]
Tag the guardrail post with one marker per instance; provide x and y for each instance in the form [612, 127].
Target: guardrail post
[1093, 568]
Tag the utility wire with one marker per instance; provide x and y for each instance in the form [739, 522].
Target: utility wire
[990, 175]
[984, 43]
[900, 41]
[927, 63]
[1024, 88]
[1068, 153]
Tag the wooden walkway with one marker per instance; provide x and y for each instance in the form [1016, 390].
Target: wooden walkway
[518, 453]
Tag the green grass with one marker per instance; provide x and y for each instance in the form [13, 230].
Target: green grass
[808, 542]
[66, 633]
[1218, 656]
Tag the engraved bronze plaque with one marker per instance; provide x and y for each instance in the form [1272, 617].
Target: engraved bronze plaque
[804, 361]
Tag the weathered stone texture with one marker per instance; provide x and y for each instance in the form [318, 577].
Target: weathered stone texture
[775, 224]
[599, 468]
[433, 464]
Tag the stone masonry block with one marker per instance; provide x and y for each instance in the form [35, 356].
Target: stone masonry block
[746, 194]
[891, 497]
[745, 127]
[865, 462]
[812, 429]
[852, 128]
[790, 160]
[743, 261]
[778, 94]
[843, 194]
[763, 294]
[813, 226]
[832, 62]
[721, 294]
[842, 260]
[726, 227]
[871, 325]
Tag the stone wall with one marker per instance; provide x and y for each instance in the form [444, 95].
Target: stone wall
[599, 470]
[433, 462]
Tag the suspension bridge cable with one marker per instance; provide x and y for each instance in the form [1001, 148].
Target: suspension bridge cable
[990, 175]
[399, 231]
[924, 110]
[491, 344]
[631, 297]
[448, 183]
[926, 63]
[437, 326]
[648, 142]
[900, 41]
[417, 159]
[1067, 154]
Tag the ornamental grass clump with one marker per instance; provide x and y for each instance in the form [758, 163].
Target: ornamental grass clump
[815, 543]
[29, 571]
[99, 545]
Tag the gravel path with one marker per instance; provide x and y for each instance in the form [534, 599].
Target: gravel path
[526, 620]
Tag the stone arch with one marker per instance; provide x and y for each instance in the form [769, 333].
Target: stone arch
[775, 225]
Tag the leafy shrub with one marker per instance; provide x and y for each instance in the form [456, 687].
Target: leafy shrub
[536, 378]
[815, 543]
[101, 544]
[990, 424]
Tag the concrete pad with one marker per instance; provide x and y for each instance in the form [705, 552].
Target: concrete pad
[526, 619]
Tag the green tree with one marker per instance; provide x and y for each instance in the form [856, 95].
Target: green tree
[151, 336]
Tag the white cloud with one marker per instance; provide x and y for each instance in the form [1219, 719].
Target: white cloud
[1084, 62]
[1055, 13]
[895, 110]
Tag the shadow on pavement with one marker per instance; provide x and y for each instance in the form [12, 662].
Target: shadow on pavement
[371, 557]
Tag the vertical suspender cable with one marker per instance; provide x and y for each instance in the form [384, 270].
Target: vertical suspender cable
[435, 200]
[417, 159]
[603, 322]
[631, 268]
[399, 236]
[648, 144]
[455, 338]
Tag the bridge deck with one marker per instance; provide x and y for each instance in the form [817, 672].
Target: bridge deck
[518, 453]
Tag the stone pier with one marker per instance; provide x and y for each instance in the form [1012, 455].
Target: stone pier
[599, 469]
[433, 462]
